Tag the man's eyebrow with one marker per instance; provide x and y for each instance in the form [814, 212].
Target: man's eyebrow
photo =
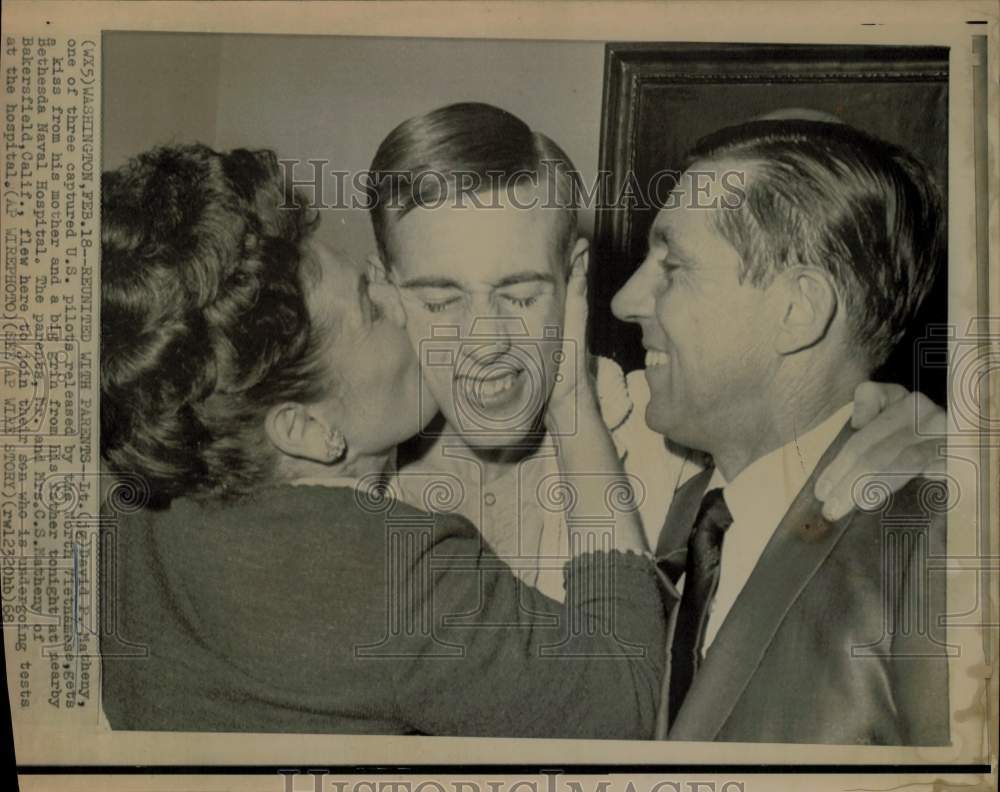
[659, 233]
[437, 282]
[678, 252]
[430, 282]
[527, 276]
[663, 235]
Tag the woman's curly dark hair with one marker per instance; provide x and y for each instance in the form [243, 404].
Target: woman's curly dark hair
[204, 321]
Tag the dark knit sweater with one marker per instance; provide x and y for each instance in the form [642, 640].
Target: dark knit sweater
[309, 610]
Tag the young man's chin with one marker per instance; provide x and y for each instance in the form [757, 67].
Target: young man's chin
[495, 436]
[496, 427]
[499, 440]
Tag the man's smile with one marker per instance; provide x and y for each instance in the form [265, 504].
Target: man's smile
[492, 387]
[655, 357]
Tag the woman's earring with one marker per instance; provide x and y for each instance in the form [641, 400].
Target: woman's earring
[336, 445]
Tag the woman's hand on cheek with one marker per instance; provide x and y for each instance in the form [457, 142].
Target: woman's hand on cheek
[573, 379]
[901, 436]
[383, 293]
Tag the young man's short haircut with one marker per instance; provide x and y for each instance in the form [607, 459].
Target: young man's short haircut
[457, 154]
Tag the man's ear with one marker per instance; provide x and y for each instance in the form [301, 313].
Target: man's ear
[382, 292]
[296, 432]
[808, 304]
[579, 255]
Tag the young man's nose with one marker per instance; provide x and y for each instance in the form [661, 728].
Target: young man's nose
[498, 328]
[637, 298]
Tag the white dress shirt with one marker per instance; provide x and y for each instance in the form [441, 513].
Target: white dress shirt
[758, 499]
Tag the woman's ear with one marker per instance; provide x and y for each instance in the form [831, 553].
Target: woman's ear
[383, 292]
[808, 304]
[296, 432]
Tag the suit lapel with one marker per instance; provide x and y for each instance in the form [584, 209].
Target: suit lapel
[796, 550]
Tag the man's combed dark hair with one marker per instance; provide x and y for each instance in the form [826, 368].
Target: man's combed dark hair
[204, 322]
[830, 196]
[461, 149]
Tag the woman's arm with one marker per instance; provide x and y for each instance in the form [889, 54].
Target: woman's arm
[600, 505]
[498, 658]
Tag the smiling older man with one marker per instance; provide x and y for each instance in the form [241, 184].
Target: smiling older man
[761, 319]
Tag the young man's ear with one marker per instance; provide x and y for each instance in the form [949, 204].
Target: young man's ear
[808, 304]
[382, 292]
[296, 432]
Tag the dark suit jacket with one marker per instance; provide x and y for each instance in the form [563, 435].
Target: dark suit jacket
[836, 636]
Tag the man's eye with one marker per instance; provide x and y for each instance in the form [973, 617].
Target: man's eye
[521, 302]
[441, 305]
[669, 270]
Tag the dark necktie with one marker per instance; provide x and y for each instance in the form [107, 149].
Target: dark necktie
[701, 579]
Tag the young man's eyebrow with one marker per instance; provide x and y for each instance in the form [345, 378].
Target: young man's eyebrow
[527, 276]
[430, 282]
[437, 282]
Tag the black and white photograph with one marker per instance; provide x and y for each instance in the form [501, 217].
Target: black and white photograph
[345, 293]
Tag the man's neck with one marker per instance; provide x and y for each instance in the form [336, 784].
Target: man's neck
[779, 421]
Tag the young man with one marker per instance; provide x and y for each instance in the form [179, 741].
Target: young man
[476, 226]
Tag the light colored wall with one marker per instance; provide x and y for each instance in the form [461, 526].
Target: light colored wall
[157, 88]
[335, 98]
